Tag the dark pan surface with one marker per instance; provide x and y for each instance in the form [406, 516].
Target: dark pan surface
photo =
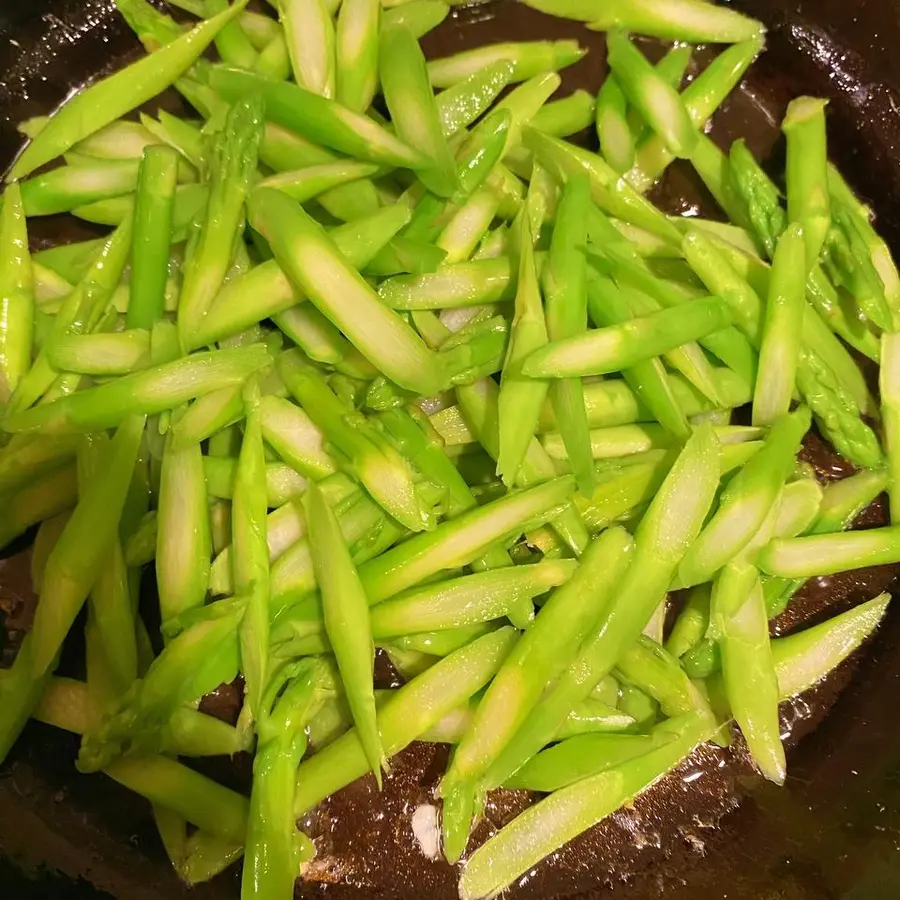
[712, 829]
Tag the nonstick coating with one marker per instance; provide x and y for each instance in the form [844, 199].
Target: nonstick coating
[711, 830]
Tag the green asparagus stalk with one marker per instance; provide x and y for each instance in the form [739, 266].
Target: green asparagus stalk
[46, 495]
[807, 172]
[564, 282]
[464, 284]
[412, 710]
[151, 391]
[528, 59]
[317, 118]
[74, 563]
[345, 607]
[889, 385]
[520, 399]
[739, 620]
[16, 295]
[309, 31]
[540, 656]
[383, 471]
[312, 260]
[680, 20]
[184, 544]
[656, 100]
[804, 557]
[562, 816]
[781, 336]
[119, 353]
[232, 168]
[409, 98]
[618, 347]
[701, 98]
[356, 53]
[296, 439]
[109, 99]
[565, 117]
[613, 130]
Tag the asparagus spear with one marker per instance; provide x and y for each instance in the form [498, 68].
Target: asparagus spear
[807, 172]
[16, 295]
[47, 495]
[151, 391]
[620, 346]
[346, 614]
[356, 52]
[561, 118]
[310, 36]
[209, 257]
[540, 656]
[312, 260]
[613, 130]
[804, 557]
[409, 98]
[681, 20]
[74, 563]
[412, 710]
[528, 59]
[656, 100]
[740, 622]
[781, 336]
[520, 400]
[564, 280]
[660, 543]
[317, 118]
[109, 99]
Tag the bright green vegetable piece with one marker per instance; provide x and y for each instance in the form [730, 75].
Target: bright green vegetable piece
[746, 501]
[151, 391]
[805, 557]
[739, 620]
[89, 110]
[409, 98]
[656, 100]
[528, 59]
[889, 385]
[16, 294]
[618, 347]
[311, 260]
[564, 280]
[462, 103]
[309, 31]
[411, 711]
[319, 119]
[668, 528]
[210, 253]
[346, 613]
[74, 564]
[184, 543]
[613, 130]
[541, 654]
[458, 541]
[463, 284]
[118, 353]
[782, 331]
[39, 498]
[807, 172]
[356, 53]
[520, 399]
[692, 623]
[562, 816]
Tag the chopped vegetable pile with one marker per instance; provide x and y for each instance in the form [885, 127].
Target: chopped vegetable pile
[373, 356]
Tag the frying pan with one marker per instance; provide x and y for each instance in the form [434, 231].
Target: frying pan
[710, 830]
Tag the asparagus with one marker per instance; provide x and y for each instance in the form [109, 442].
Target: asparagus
[16, 295]
[409, 98]
[528, 59]
[310, 36]
[738, 615]
[681, 20]
[807, 172]
[618, 347]
[613, 130]
[563, 815]
[561, 118]
[656, 100]
[345, 608]
[462, 103]
[412, 710]
[209, 257]
[317, 118]
[825, 554]
[660, 543]
[109, 99]
[295, 438]
[540, 656]
[311, 260]
[781, 335]
[152, 391]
